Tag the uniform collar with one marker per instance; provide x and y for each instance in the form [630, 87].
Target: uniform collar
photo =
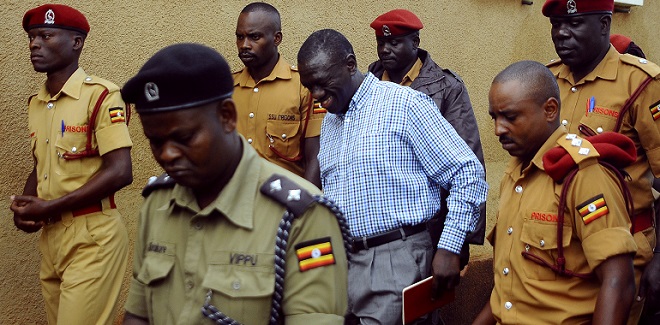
[236, 201]
[551, 142]
[607, 69]
[412, 74]
[282, 70]
[71, 88]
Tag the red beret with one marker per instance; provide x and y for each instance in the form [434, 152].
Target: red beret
[55, 16]
[576, 7]
[396, 23]
[620, 42]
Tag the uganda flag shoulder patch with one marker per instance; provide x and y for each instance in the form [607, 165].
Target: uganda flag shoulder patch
[314, 253]
[655, 111]
[117, 115]
[318, 109]
[593, 209]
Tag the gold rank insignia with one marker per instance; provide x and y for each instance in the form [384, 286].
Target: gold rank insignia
[655, 111]
[318, 109]
[314, 253]
[117, 115]
[593, 209]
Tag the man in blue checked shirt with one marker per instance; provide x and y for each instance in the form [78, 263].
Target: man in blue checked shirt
[386, 152]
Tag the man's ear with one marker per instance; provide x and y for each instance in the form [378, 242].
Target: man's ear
[351, 63]
[605, 24]
[416, 41]
[226, 112]
[278, 38]
[551, 109]
[78, 41]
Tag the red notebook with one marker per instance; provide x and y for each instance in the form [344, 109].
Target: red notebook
[417, 300]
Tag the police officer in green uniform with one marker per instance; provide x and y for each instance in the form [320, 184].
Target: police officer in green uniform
[224, 236]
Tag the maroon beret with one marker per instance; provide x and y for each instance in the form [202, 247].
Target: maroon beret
[620, 42]
[576, 7]
[55, 16]
[396, 23]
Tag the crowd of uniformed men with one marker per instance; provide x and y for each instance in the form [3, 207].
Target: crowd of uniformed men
[238, 231]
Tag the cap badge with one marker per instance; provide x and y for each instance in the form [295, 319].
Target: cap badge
[386, 31]
[571, 6]
[151, 91]
[50, 17]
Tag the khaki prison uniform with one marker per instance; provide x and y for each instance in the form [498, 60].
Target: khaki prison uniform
[528, 293]
[85, 255]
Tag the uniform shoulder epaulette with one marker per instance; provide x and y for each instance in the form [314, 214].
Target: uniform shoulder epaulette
[578, 148]
[285, 191]
[645, 65]
[154, 183]
[454, 74]
[553, 62]
[94, 80]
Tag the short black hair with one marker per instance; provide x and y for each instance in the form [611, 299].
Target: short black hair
[329, 41]
[267, 8]
[537, 80]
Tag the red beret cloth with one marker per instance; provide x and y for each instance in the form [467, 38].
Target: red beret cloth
[620, 42]
[576, 7]
[396, 23]
[55, 16]
[614, 148]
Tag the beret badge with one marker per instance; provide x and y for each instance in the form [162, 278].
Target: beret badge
[49, 17]
[386, 31]
[151, 92]
[571, 7]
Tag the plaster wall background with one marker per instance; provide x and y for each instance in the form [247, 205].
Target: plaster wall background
[475, 38]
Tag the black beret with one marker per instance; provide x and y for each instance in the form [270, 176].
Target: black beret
[179, 76]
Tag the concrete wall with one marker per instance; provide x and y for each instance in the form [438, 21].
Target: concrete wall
[476, 38]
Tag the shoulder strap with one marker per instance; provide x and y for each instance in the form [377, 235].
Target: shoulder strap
[286, 192]
[629, 103]
[154, 183]
[88, 152]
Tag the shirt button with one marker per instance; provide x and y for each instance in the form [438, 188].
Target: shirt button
[251, 115]
[573, 89]
[256, 90]
[250, 140]
[88, 79]
[508, 305]
[643, 61]
[505, 271]
[236, 285]
[526, 248]
[45, 176]
[283, 135]
[198, 225]
[599, 130]
[564, 122]
[542, 243]
[509, 231]
[519, 189]
[47, 141]
[59, 154]
[189, 285]
[50, 105]
[74, 149]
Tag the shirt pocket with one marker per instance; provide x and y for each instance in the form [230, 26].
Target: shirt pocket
[154, 272]
[540, 239]
[284, 139]
[243, 293]
[596, 123]
[70, 144]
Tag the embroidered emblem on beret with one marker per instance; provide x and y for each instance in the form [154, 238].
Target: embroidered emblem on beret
[571, 7]
[314, 253]
[49, 17]
[151, 91]
[593, 209]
